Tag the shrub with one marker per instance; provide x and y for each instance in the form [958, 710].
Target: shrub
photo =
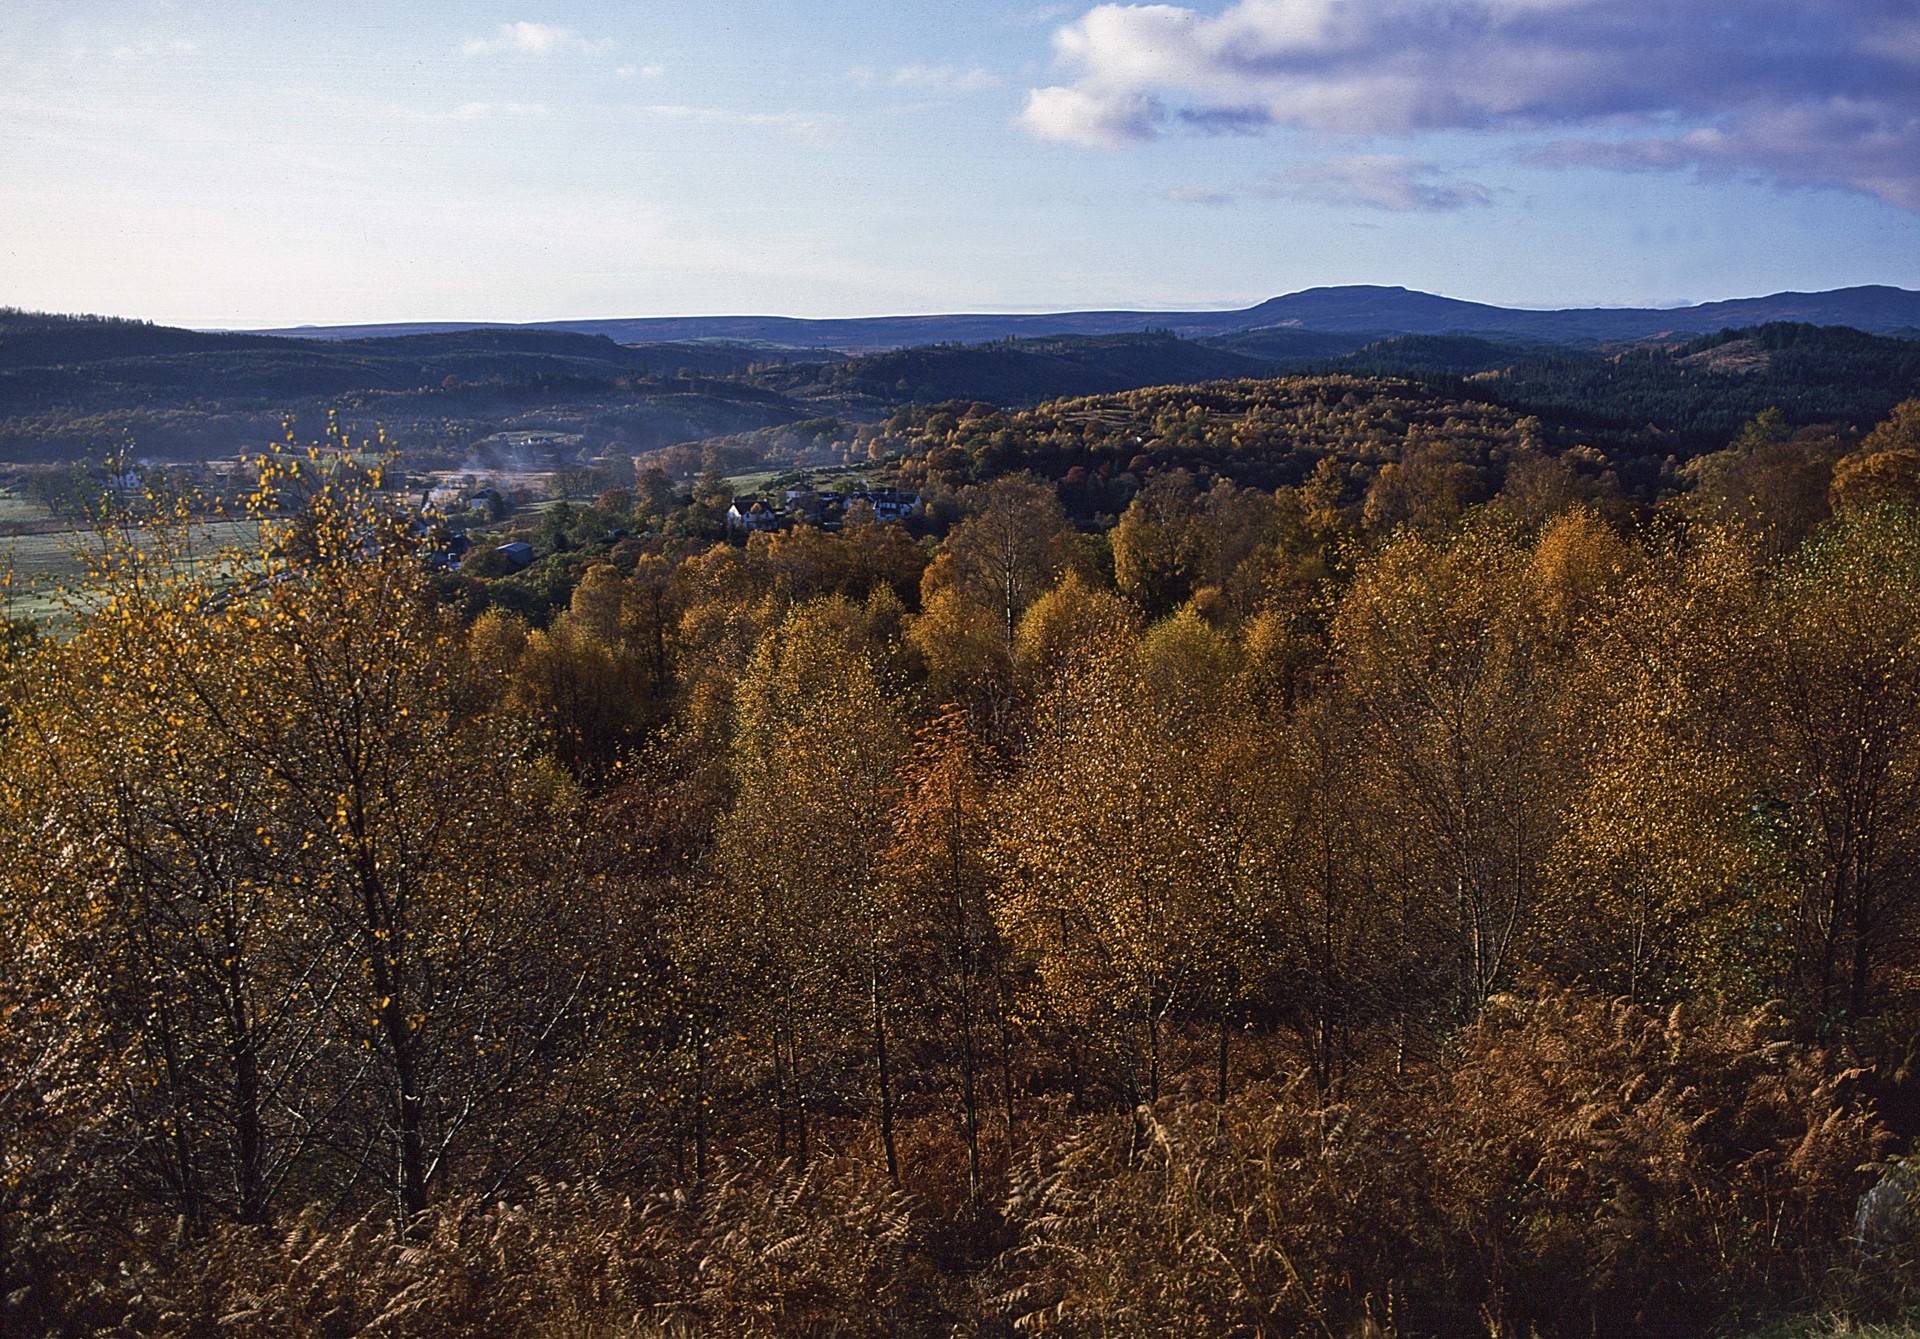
[1577, 1167]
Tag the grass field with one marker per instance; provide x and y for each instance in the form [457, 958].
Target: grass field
[19, 509]
[823, 476]
[42, 572]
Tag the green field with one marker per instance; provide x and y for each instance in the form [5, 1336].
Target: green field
[823, 476]
[19, 509]
[41, 573]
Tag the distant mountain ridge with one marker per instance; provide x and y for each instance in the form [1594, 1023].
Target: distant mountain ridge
[1354, 309]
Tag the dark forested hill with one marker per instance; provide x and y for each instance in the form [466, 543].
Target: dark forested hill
[1259, 433]
[1455, 355]
[36, 339]
[1466, 403]
[110, 363]
[78, 386]
[1013, 372]
[1662, 397]
[1700, 392]
[75, 386]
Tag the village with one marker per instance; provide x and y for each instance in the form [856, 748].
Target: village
[829, 510]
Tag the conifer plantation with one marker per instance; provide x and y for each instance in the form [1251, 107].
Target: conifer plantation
[1453, 897]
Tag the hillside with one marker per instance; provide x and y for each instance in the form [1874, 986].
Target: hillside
[1260, 434]
[35, 339]
[1011, 372]
[71, 387]
[1470, 406]
[1876, 308]
[51, 359]
[1361, 308]
[1697, 394]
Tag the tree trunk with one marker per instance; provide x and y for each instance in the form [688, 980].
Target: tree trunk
[699, 1107]
[1220, 1093]
[187, 1180]
[884, 1075]
[1153, 1052]
[969, 1099]
[799, 1097]
[779, 1099]
[249, 1171]
[963, 943]
[6, 1266]
[409, 1110]
[1006, 1059]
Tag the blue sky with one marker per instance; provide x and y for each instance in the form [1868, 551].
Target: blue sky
[236, 164]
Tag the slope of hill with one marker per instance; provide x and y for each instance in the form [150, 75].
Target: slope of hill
[76, 387]
[1287, 346]
[1011, 372]
[1699, 393]
[1260, 433]
[160, 361]
[1365, 309]
[37, 339]
[1455, 355]
[1479, 399]
[1877, 309]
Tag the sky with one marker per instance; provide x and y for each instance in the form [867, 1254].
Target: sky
[216, 163]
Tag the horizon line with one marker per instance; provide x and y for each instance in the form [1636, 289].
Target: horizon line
[951, 314]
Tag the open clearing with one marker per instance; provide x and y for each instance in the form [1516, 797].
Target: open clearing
[18, 510]
[39, 573]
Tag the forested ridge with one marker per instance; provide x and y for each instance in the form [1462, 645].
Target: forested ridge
[1407, 876]
[1699, 392]
[79, 388]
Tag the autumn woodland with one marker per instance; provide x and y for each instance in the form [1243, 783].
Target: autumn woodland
[1463, 890]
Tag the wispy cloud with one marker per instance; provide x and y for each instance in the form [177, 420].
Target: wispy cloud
[936, 78]
[474, 111]
[532, 39]
[1838, 143]
[804, 127]
[1379, 181]
[135, 53]
[1199, 195]
[640, 71]
[948, 78]
[1803, 92]
[1033, 18]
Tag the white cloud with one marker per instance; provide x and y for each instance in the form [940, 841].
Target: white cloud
[532, 39]
[1091, 118]
[1379, 181]
[1810, 92]
[640, 71]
